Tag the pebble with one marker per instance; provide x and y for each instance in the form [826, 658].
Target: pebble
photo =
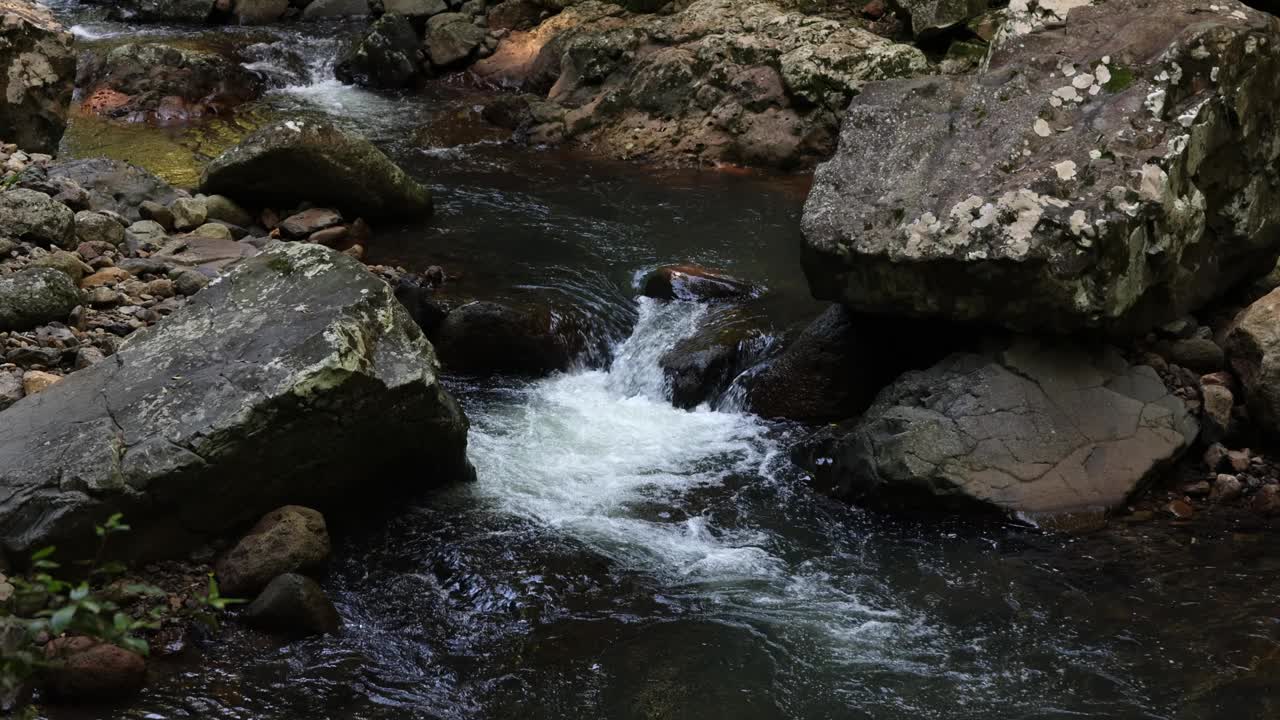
[1181, 509]
[1226, 488]
[34, 381]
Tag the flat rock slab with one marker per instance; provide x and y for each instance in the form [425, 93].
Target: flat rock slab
[1106, 172]
[1032, 429]
[296, 378]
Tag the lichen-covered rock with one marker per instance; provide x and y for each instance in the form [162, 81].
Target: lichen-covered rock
[297, 378]
[386, 56]
[451, 39]
[1105, 172]
[720, 80]
[1032, 429]
[37, 76]
[163, 83]
[292, 161]
[36, 296]
[37, 218]
[930, 17]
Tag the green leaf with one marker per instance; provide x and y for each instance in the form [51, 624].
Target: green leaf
[121, 622]
[91, 605]
[80, 592]
[43, 553]
[62, 619]
[137, 645]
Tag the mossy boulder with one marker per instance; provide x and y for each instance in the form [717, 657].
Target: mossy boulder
[36, 296]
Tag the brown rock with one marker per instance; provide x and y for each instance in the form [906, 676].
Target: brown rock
[1226, 488]
[303, 224]
[1267, 500]
[1218, 402]
[104, 277]
[1238, 460]
[1180, 509]
[1200, 488]
[34, 381]
[1214, 456]
[290, 539]
[330, 237]
[85, 669]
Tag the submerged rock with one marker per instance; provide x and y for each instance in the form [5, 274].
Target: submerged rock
[293, 161]
[1106, 173]
[192, 11]
[115, 185]
[294, 604]
[37, 76]
[693, 282]
[297, 378]
[1032, 429]
[489, 337]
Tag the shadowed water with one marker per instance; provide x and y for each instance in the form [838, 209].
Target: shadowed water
[620, 558]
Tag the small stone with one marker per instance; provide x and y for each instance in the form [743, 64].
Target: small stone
[34, 381]
[1222, 378]
[224, 209]
[97, 227]
[1200, 488]
[10, 389]
[32, 356]
[87, 356]
[290, 539]
[1199, 354]
[1267, 500]
[188, 213]
[103, 297]
[355, 251]
[330, 237]
[104, 277]
[65, 262]
[1218, 402]
[154, 211]
[303, 224]
[1214, 456]
[215, 231]
[1238, 460]
[189, 282]
[1180, 509]
[161, 288]
[1226, 488]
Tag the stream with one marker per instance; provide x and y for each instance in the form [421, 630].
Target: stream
[620, 558]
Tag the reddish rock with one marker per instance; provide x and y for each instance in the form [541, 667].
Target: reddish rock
[1226, 488]
[82, 668]
[333, 237]
[1181, 509]
[1267, 501]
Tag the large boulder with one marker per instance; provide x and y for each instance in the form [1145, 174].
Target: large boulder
[35, 296]
[297, 378]
[1032, 429]
[1107, 172]
[114, 185]
[386, 56]
[163, 83]
[1253, 352]
[36, 217]
[37, 76]
[720, 80]
[308, 160]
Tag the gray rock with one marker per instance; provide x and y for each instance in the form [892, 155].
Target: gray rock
[150, 210]
[319, 9]
[414, 8]
[96, 227]
[36, 296]
[296, 605]
[452, 38]
[192, 11]
[37, 218]
[930, 17]
[153, 75]
[115, 185]
[1200, 354]
[290, 539]
[1031, 429]
[297, 379]
[260, 12]
[695, 283]
[1218, 402]
[145, 234]
[224, 209]
[386, 56]
[38, 63]
[301, 225]
[1055, 191]
[189, 282]
[306, 160]
[489, 337]
[188, 213]
[10, 388]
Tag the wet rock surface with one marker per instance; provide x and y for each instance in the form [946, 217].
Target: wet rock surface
[288, 540]
[306, 160]
[152, 424]
[1104, 173]
[294, 604]
[37, 76]
[1034, 429]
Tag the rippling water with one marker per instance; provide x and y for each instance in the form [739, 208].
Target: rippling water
[620, 558]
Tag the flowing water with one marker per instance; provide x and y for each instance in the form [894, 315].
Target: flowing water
[621, 558]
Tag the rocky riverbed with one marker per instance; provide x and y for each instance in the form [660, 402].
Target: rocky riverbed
[363, 319]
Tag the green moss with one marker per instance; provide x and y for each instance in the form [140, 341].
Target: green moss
[1121, 78]
[280, 264]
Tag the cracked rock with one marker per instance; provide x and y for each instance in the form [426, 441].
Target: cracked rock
[1040, 430]
[205, 422]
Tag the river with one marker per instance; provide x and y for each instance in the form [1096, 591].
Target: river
[621, 558]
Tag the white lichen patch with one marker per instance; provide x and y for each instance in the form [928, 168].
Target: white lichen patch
[1066, 170]
[1041, 128]
[1153, 183]
[978, 228]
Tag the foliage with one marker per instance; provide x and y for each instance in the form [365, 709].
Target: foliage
[101, 606]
